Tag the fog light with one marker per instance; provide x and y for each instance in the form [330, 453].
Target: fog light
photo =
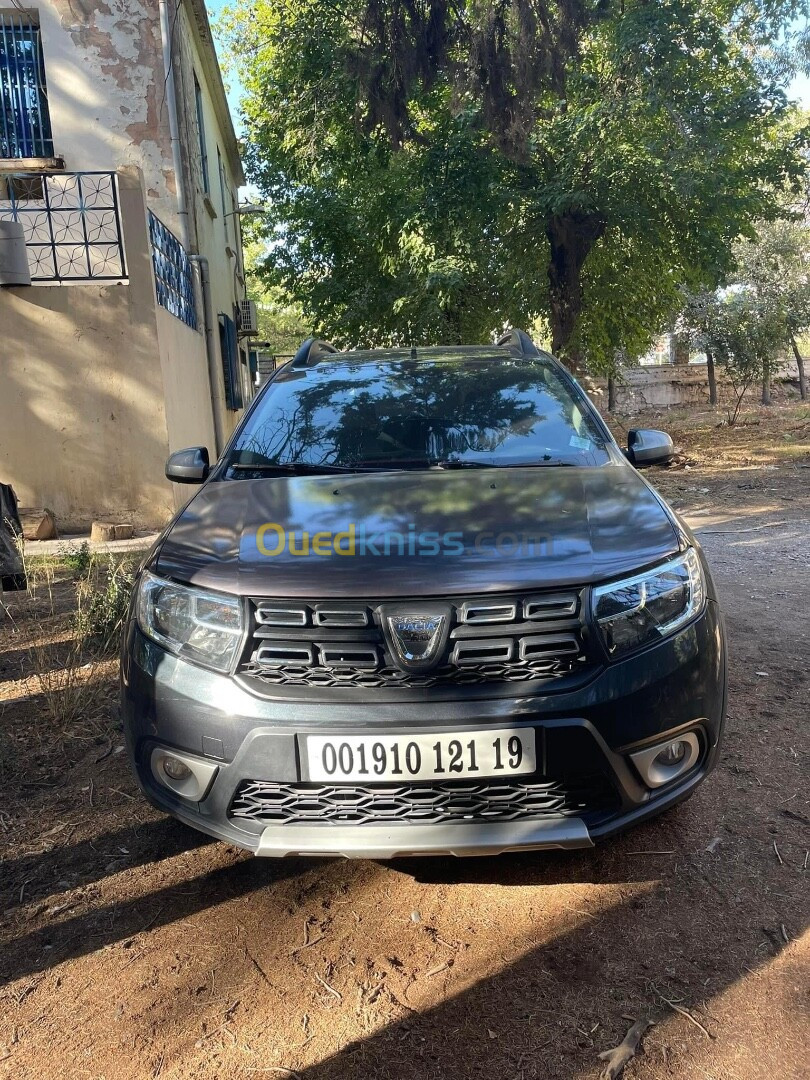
[671, 754]
[176, 769]
[185, 774]
[661, 764]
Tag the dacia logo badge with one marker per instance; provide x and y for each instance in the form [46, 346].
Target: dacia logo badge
[416, 634]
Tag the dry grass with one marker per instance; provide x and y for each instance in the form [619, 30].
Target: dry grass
[71, 687]
[62, 645]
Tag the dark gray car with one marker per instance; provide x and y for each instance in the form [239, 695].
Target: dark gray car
[423, 603]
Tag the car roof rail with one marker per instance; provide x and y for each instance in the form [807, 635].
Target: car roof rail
[312, 352]
[519, 340]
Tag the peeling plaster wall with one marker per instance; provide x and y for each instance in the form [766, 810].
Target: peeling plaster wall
[106, 82]
[98, 381]
[104, 69]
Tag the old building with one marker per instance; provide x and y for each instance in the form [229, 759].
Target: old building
[118, 158]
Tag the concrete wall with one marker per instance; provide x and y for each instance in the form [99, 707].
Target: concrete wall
[189, 415]
[673, 385]
[82, 416]
[106, 79]
[99, 381]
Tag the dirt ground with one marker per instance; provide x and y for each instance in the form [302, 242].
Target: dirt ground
[134, 947]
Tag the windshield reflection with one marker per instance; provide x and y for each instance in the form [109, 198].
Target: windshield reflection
[406, 414]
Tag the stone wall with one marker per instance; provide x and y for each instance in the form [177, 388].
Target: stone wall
[672, 386]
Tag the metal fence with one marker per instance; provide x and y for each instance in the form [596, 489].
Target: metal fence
[72, 224]
[174, 281]
[25, 125]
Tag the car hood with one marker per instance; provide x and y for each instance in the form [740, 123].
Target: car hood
[495, 529]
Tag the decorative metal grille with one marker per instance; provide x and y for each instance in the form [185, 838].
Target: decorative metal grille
[25, 125]
[433, 803]
[72, 224]
[174, 281]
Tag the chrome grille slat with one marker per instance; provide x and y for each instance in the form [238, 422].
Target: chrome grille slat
[285, 654]
[550, 606]
[341, 643]
[533, 647]
[483, 650]
[348, 656]
[472, 611]
[268, 614]
[429, 803]
[323, 615]
[331, 634]
[525, 626]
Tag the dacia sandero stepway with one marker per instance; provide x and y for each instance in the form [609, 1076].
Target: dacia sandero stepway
[422, 604]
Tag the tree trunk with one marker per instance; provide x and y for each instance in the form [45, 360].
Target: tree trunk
[712, 379]
[611, 394]
[800, 366]
[571, 238]
[679, 349]
[766, 383]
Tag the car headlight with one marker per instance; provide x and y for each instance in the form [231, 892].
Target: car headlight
[202, 626]
[649, 606]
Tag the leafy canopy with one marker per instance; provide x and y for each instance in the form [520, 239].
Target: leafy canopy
[436, 170]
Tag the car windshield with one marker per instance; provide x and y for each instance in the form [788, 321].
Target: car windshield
[451, 413]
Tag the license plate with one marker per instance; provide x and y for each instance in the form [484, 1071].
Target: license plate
[431, 756]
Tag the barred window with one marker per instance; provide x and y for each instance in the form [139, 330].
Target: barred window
[25, 123]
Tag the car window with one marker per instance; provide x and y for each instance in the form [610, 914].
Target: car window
[414, 413]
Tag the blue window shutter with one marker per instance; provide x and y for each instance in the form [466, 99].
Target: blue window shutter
[230, 362]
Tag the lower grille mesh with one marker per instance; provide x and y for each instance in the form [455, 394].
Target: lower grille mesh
[453, 801]
[473, 674]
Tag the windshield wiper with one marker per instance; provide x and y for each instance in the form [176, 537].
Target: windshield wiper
[296, 468]
[462, 463]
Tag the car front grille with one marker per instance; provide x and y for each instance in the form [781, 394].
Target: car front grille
[452, 801]
[491, 639]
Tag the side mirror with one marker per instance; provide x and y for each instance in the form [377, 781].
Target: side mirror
[188, 466]
[646, 446]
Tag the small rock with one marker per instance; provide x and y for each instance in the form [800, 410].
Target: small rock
[416, 916]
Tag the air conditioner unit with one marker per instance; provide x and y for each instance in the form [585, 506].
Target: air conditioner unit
[248, 318]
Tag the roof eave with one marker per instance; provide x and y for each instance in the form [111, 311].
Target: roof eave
[213, 74]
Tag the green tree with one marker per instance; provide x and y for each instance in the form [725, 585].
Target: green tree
[775, 266]
[281, 322]
[739, 330]
[438, 169]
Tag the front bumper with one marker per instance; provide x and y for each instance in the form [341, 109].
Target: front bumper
[677, 686]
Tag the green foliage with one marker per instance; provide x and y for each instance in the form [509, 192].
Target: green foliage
[742, 331]
[765, 306]
[775, 266]
[435, 171]
[102, 602]
[75, 557]
[281, 323]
